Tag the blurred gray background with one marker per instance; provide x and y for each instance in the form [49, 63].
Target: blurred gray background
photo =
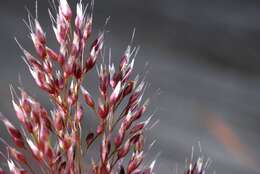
[204, 56]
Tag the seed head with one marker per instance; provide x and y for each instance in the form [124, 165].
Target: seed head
[55, 138]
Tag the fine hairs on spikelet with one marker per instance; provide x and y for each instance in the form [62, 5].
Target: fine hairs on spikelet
[51, 141]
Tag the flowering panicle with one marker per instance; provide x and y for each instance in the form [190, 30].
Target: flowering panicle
[54, 139]
[53, 142]
[197, 167]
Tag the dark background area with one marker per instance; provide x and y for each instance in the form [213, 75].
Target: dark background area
[202, 55]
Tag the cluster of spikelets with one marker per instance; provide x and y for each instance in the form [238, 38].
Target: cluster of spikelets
[53, 142]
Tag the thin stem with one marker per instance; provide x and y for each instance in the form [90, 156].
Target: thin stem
[113, 164]
[88, 146]
[29, 167]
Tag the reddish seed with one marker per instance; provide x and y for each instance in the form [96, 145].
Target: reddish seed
[52, 54]
[35, 150]
[40, 48]
[139, 144]
[78, 72]
[32, 60]
[100, 128]
[128, 88]
[58, 122]
[105, 149]
[22, 172]
[122, 152]
[19, 143]
[19, 113]
[80, 113]
[87, 29]
[137, 128]
[25, 103]
[89, 64]
[68, 70]
[118, 140]
[87, 97]
[122, 170]
[89, 138]
[65, 9]
[48, 152]
[26, 106]
[135, 139]
[2, 171]
[123, 63]
[139, 113]
[47, 65]
[115, 94]
[102, 110]
[17, 155]
[15, 133]
[43, 132]
[132, 166]
[39, 33]
[66, 142]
